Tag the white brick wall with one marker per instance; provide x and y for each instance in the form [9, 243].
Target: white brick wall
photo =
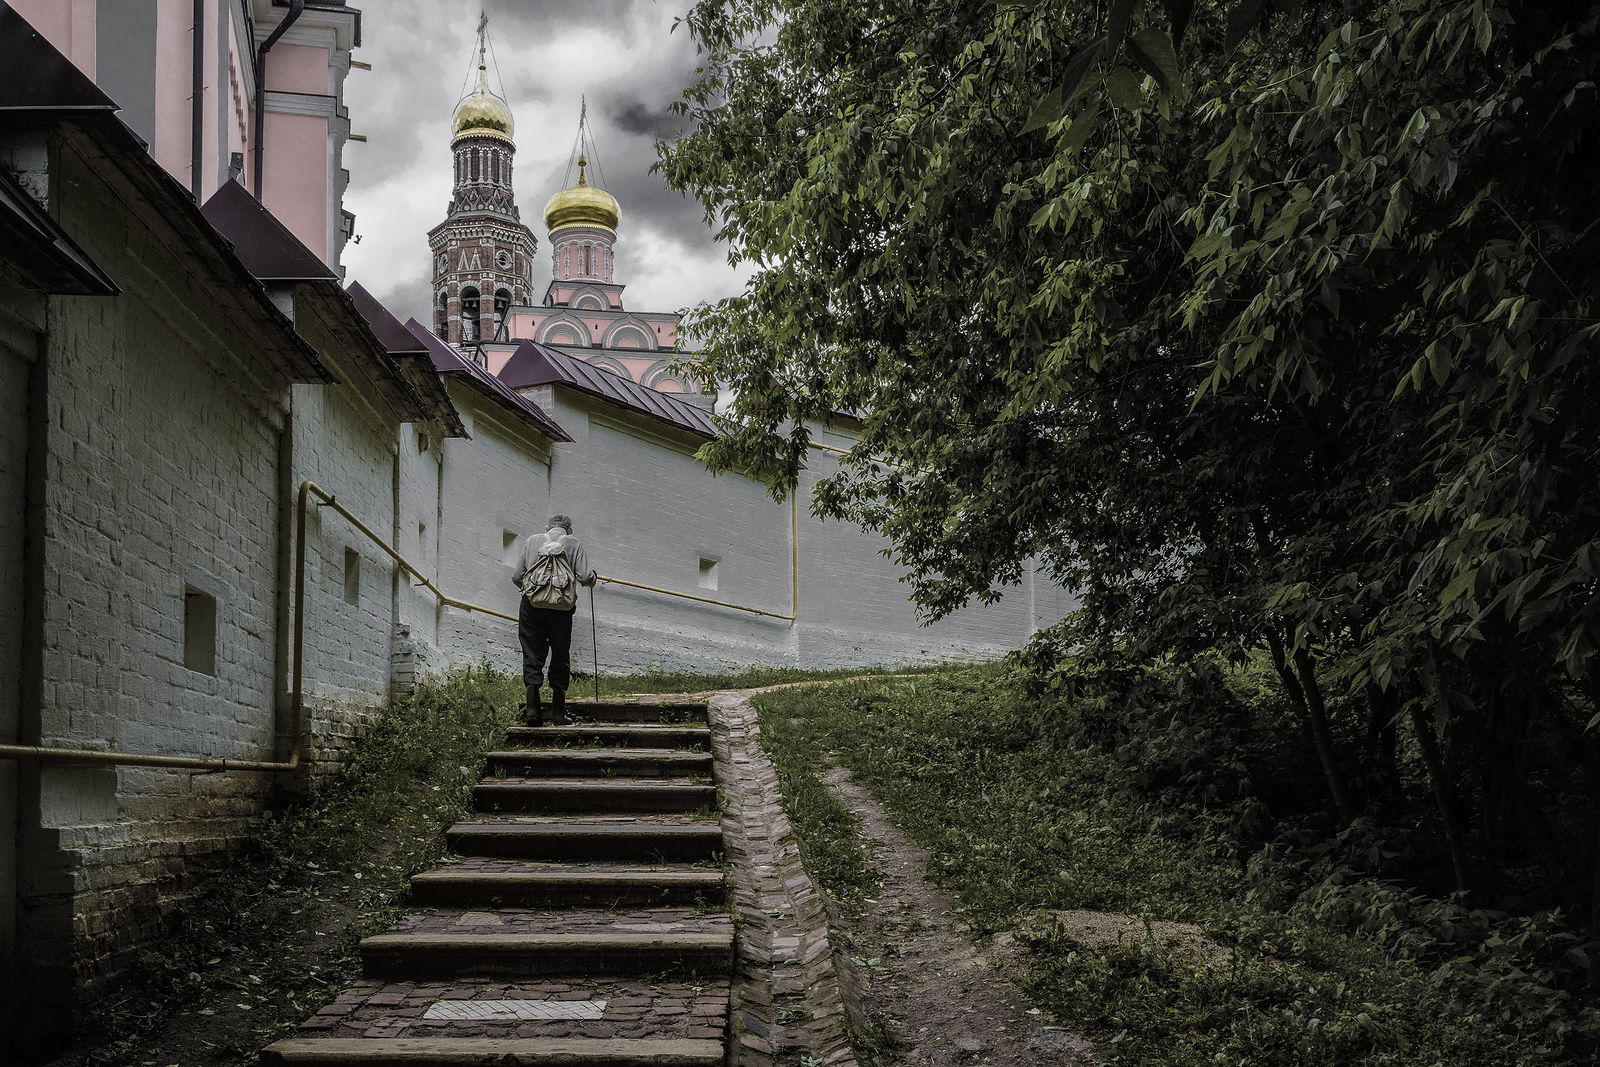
[648, 512]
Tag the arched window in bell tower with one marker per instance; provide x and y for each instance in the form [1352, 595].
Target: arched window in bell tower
[474, 157]
[502, 301]
[469, 314]
[588, 261]
[441, 315]
[494, 167]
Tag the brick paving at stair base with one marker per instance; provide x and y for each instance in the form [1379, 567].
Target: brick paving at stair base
[784, 967]
[372, 1009]
[560, 921]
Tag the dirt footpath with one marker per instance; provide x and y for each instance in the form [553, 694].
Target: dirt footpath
[924, 982]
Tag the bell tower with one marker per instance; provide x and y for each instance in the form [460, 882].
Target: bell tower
[482, 253]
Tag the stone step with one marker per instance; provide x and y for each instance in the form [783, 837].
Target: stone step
[582, 840]
[594, 794]
[635, 735]
[464, 1051]
[602, 762]
[526, 954]
[508, 883]
[638, 711]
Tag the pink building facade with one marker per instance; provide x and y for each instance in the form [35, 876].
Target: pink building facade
[185, 77]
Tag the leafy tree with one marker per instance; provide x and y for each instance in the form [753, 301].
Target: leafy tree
[1264, 327]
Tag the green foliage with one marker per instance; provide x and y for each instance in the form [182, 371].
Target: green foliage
[1268, 328]
[1029, 802]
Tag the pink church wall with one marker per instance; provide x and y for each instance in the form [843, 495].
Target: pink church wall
[297, 68]
[295, 176]
[174, 74]
[67, 24]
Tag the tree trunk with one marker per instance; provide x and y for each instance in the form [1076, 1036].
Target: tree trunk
[1317, 711]
[1443, 794]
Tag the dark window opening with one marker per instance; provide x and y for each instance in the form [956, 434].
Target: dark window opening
[352, 576]
[199, 631]
[474, 164]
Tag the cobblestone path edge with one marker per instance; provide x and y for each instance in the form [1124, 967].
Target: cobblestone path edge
[787, 1001]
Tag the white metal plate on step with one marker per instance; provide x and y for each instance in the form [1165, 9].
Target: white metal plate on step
[515, 1009]
[480, 918]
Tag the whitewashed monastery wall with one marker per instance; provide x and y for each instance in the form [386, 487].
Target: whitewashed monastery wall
[648, 512]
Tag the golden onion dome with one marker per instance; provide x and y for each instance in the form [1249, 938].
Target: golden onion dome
[582, 205]
[482, 114]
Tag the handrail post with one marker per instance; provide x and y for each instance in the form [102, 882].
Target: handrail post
[297, 690]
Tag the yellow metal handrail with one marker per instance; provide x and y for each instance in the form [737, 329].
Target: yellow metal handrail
[794, 578]
[297, 688]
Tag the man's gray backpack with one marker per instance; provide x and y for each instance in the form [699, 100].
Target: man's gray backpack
[550, 583]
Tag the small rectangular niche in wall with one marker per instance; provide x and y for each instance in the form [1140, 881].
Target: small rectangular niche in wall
[508, 550]
[199, 631]
[708, 573]
[352, 576]
[422, 538]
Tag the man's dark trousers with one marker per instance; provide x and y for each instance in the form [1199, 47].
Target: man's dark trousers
[545, 632]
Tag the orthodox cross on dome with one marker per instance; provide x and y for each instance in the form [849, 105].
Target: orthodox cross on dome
[483, 34]
[583, 148]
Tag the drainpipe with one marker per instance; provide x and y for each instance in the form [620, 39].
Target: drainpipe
[296, 7]
[197, 101]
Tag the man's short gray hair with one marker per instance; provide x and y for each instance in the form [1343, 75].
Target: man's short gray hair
[559, 520]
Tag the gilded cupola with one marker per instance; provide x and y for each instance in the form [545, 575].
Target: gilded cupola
[482, 114]
[582, 205]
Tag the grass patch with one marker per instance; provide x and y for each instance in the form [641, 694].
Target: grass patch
[1330, 973]
[691, 682]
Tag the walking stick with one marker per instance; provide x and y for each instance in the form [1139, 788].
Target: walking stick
[594, 644]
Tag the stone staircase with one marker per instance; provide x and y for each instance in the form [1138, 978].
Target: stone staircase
[583, 923]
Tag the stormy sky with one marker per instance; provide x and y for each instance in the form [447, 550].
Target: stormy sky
[622, 54]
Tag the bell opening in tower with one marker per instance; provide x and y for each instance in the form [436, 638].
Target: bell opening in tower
[469, 314]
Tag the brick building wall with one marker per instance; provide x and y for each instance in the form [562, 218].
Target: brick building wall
[348, 449]
[497, 488]
[159, 571]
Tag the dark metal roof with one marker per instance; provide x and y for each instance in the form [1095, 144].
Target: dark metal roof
[535, 364]
[37, 76]
[446, 361]
[388, 329]
[263, 244]
[42, 251]
[410, 357]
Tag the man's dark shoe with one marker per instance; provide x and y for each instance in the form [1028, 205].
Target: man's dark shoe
[558, 708]
[533, 712]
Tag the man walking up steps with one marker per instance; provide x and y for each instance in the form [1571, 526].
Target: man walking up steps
[552, 566]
